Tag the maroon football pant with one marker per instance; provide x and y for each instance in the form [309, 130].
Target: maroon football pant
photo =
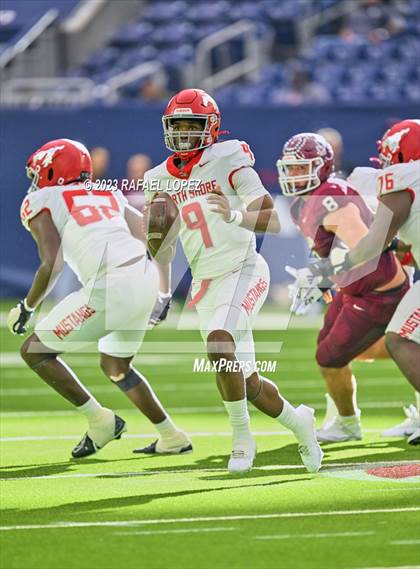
[353, 323]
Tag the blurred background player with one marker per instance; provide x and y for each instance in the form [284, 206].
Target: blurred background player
[136, 167]
[327, 210]
[342, 168]
[230, 280]
[100, 162]
[99, 236]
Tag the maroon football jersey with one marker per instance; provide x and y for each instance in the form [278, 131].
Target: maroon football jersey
[309, 213]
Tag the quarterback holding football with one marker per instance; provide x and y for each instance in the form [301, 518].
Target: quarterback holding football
[218, 214]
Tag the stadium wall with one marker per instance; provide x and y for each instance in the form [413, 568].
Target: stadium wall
[129, 129]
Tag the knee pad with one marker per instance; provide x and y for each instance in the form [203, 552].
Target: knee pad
[126, 382]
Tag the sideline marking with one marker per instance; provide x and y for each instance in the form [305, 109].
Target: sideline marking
[134, 523]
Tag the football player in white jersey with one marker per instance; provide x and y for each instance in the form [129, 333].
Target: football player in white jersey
[98, 234]
[398, 190]
[222, 204]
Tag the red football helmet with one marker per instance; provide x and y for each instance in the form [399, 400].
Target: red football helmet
[57, 163]
[307, 161]
[192, 104]
[400, 143]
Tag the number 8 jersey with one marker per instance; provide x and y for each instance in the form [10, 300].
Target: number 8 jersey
[212, 246]
[94, 233]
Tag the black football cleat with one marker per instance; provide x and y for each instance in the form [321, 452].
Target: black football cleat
[87, 446]
[182, 446]
[414, 439]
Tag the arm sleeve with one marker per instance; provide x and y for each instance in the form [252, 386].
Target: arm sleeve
[247, 185]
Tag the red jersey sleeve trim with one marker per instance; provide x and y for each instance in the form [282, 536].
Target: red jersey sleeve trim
[28, 221]
[230, 177]
[412, 194]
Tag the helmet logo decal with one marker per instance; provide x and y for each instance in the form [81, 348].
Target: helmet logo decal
[207, 100]
[392, 143]
[46, 155]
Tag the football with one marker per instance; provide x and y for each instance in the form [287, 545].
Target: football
[162, 223]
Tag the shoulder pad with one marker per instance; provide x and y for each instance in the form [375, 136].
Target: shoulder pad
[398, 177]
[32, 205]
[155, 172]
[363, 179]
[333, 187]
[237, 151]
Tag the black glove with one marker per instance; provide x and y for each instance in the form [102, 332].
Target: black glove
[160, 310]
[18, 318]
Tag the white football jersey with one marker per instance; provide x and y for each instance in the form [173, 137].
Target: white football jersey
[396, 178]
[212, 246]
[94, 233]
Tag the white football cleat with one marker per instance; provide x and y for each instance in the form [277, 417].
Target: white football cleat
[407, 427]
[179, 443]
[242, 458]
[415, 438]
[309, 449]
[341, 429]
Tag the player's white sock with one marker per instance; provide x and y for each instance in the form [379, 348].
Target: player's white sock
[166, 428]
[417, 395]
[92, 410]
[239, 421]
[288, 417]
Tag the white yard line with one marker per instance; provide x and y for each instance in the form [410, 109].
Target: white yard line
[399, 489]
[406, 542]
[197, 410]
[135, 523]
[186, 470]
[181, 386]
[169, 531]
[151, 435]
[313, 535]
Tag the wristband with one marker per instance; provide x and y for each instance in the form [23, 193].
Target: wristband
[236, 217]
[27, 307]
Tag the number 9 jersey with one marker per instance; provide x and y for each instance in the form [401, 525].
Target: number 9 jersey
[212, 246]
[94, 233]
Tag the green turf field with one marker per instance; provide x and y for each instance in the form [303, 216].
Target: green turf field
[121, 510]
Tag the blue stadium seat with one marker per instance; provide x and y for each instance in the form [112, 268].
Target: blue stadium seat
[160, 12]
[133, 34]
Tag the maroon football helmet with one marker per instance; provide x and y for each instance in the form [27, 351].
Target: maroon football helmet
[307, 161]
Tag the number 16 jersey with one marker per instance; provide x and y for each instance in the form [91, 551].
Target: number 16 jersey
[212, 246]
[94, 233]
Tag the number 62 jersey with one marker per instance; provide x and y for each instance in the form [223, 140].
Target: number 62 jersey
[212, 246]
[94, 233]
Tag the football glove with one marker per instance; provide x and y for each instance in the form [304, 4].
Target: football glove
[19, 317]
[337, 263]
[305, 290]
[160, 310]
